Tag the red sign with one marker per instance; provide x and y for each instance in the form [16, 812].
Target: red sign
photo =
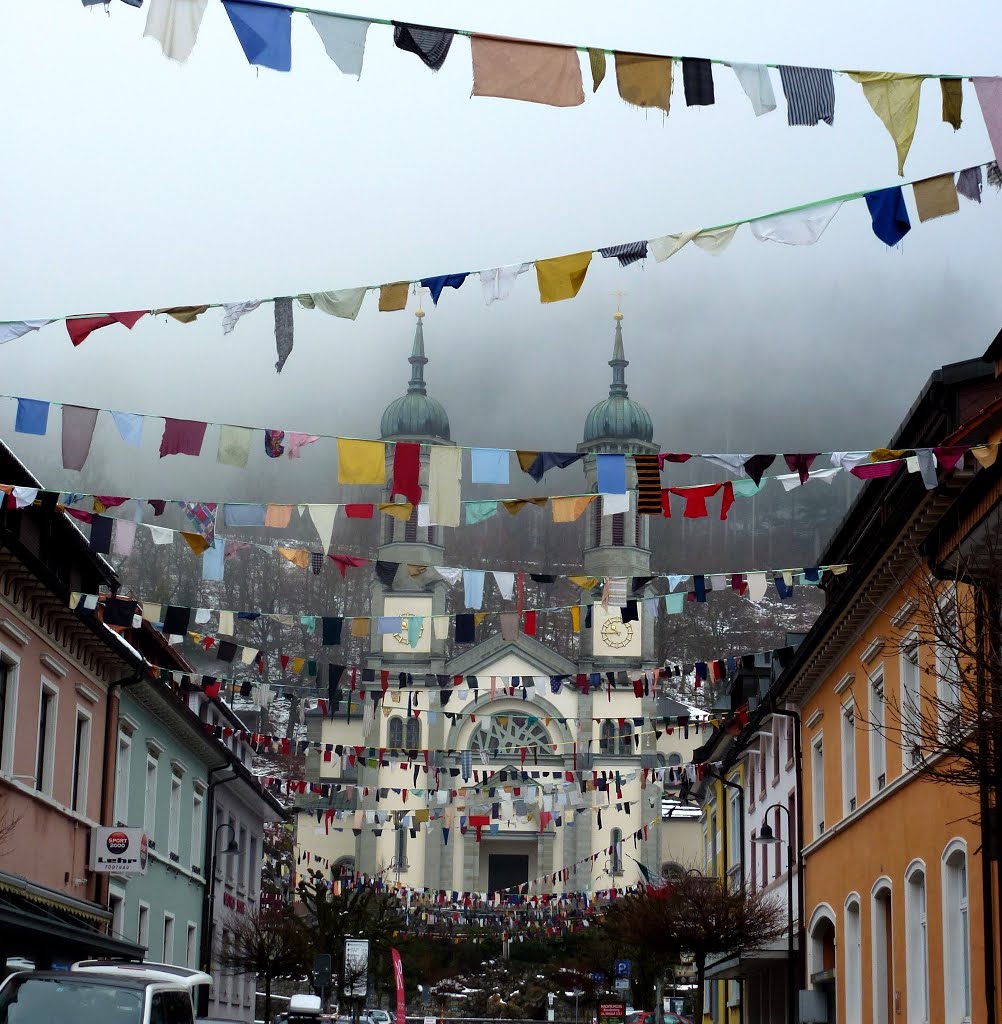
[117, 842]
[398, 974]
[611, 1011]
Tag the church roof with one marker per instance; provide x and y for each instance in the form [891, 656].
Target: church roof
[496, 647]
[618, 417]
[416, 414]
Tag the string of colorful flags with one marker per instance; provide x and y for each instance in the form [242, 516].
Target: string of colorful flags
[538, 71]
[561, 277]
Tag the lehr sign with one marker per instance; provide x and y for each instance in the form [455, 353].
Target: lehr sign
[119, 851]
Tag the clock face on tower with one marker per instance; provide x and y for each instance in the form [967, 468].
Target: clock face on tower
[406, 606]
[611, 637]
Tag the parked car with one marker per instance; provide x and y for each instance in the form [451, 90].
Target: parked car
[649, 1017]
[379, 1016]
[116, 992]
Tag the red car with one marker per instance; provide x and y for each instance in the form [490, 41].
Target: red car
[649, 1017]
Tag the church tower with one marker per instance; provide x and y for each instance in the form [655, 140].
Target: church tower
[617, 545]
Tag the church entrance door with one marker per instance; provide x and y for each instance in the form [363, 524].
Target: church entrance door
[505, 870]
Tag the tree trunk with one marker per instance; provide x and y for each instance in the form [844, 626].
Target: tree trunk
[267, 999]
[697, 1014]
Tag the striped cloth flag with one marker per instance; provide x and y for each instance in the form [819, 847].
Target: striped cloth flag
[810, 94]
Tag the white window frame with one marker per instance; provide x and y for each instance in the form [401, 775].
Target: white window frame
[853, 959]
[616, 852]
[878, 732]
[143, 925]
[9, 737]
[917, 942]
[734, 835]
[191, 945]
[174, 825]
[957, 991]
[150, 799]
[879, 949]
[168, 936]
[44, 784]
[197, 830]
[948, 681]
[910, 673]
[818, 821]
[123, 777]
[81, 764]
[850, 789]
[116, 904]
[253, 865]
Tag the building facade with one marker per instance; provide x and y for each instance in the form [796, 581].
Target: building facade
[498, 811]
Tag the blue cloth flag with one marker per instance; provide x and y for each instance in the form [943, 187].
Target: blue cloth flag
[436, 285]
[889, 214]
[611, 474]
[32, 416]
[264, 31]
[473, 588]
[551, 460]
[243, 515]
[213, 560]
[130, 427]
[490, 465]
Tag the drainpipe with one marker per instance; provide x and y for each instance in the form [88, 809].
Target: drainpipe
[208, 894]
[798, 770]
[741, 873]
[107, 809]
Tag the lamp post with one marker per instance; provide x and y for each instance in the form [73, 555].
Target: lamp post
[768, 838]
[210, 906]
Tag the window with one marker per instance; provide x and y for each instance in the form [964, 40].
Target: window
[616, 861]
[777, 825]
[253, 865]
[734, 830]
[947, 669]
[168, 938]
[775, 750]
[400, 845]
[638, 538]
[754, 861]
[150, 801]
[46, 748]
[878, 737]
[597, 524]
[626, 738]
[81, 763]
[116, 904]
[707, 865]
[917, 945]
[170, 1008]
[8, 714]
[412, 734]
[143, 926]
[607, 738]
[395, 733]
[617, 529]
[763, 753]
[853, 963]
[231, 832]
[818, 784]
[714, 853]
[848, 759]
[197, 839]
[191, 947]
[174, 825]
[410, 527]
[123, 767]
[791, 806]
[241, 858]
[956, 935]
[911, 702]
[789, 741]
[882, 953]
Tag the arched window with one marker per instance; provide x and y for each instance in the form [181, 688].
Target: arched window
[853, 962]
[395, 733]
[616, 860]
[882, 956]
[343, 868]
[607, 738]
[400, 845]
[412, 734]
[410, 526]
[626, 738]
[505, 735]
[617, 529]
[956, 935]
[917, 944]
[672, 871]
[597, 523]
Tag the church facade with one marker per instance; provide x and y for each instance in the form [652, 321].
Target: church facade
[513, 773]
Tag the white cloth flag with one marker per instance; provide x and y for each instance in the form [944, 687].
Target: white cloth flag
[449, 574]
[323, 517]
[440, 627]
[498, 283]
[343, 39]
[233, 311]
[225, 627]
[174, 24]
[716, 240]
[445, 470]
[613, 504]
[161, 535]
[422, 514]
[11, 329]
[754, 79]
[798, 227]
[506, 583]
[791, 480]
[667, 245]
[123, 538]
[24, 496]
[345, 302]
[756, 586]
[735, 463]
[847, 460]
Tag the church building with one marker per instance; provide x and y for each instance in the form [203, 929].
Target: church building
[513, 773]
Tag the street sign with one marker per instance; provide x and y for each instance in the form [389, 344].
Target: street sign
[611, 1013]
[118, 851]
[356, 967]
[598, 978]
[622, 968]
[322, 970]
[622, 984]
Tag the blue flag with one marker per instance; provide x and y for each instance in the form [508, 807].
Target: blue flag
[264, 31]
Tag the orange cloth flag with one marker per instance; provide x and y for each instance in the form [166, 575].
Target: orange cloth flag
[535, 72]
[562, 277]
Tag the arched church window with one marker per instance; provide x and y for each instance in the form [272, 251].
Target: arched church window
[618, 521]
[412, 734]
[616, 860]
[607, 738]
[637, 531]
[597, 523]
[410, 527]
[505, 735]
[343, 868]
[395, 733]
[626, 738]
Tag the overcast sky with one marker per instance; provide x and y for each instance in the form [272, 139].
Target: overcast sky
[131, 182]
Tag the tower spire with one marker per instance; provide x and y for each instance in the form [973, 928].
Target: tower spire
[418, 359]
[618, 362]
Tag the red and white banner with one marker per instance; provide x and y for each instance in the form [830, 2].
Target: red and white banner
[398, 975]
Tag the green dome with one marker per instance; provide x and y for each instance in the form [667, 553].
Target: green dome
[618, 417]
[416, 414]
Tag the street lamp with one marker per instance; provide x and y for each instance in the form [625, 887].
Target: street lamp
[210, 907]
[768, 838]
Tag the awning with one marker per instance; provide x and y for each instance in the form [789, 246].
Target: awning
[53, 898]
[743, 965]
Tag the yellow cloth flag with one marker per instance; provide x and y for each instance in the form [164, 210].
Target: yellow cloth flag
[297, 665]
[298, 556]
[644, 81]
[525, 459]
[278, 516]
[953, 100]
[584, 582]
[895, 100]
[401, 511]
[515, 505]
[393, 297]
[196, 542]
[479, 618]
[596, 58]
[360, 626]
[562, 277]
[936, 197]
[184, 314]
[415, 570]
[886, 454]
[361, 462]
[568, 510]
[576, 618]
